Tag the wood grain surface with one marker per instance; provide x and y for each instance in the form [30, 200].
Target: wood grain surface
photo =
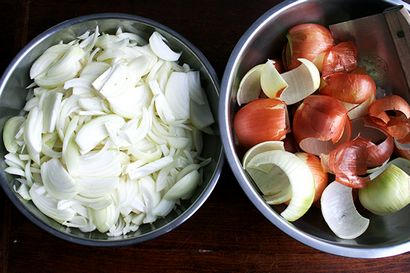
[227, 234]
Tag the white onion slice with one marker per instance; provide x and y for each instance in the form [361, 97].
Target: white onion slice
[299, 175]
[339, 212]
[57, 181]
[161, 49]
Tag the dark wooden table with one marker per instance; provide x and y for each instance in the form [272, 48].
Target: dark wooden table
[227, 234]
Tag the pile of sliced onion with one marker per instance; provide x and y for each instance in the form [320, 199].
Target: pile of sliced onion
[112, 134]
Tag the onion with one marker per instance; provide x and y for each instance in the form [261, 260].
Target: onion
[307, 41]
[380, 106]
[329, 123]
[250, 86]
[389, 192]
[339, 212]
[298, 174]
[340, 58]
[261, 120]
[350, 88]
[11, 127]
[319, 175]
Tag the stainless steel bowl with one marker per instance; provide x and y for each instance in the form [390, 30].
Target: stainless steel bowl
[12, 99]
[386, 236]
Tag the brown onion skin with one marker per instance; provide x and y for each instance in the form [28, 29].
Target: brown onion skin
[306, 41]
[261, 120]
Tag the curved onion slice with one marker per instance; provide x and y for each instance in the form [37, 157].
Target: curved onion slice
[399, 129]
[48, 205]
[271, 82]
[11, 127]
[63, 69]
[57, 181]
[274, 193]
[97, 130]
[261, 120]
[307, 41]
[130, 103]
[299, 175]
[51, 110]
[260, 148]
[380, 106]
[350, 88]
[47, 59]
[291, 86]
[339, 212]
[302, 82]
[105, 218]
[94, 187]
[319, 175]
[388, 192]
[329, 122]
[177, 95]
[32, 133]
[184, 187]
[250, 85]
[340, 58]
[161, 49]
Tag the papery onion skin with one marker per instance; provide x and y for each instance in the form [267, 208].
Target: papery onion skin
[399, 128]
[320, 117]
[319, 174]
[350, 88]
[380, 106]
[349, 161]
[340, 58]
[307, 41]
[261, 120]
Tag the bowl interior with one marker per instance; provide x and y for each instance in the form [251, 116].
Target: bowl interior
[12, 99]
[266, 39]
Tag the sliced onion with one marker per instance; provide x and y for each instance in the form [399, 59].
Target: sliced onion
[11, 127]
[250, 86]
[339, 212]
[299, 175]
[302, 82]
[261, 120]
[48, 205]
[51, 110]
[57, 181]
[96, 129]
[105, 218]
[32, 133]
[184, 187]
[260, 148]
[271, 82]
[161, 49]
[177, 95]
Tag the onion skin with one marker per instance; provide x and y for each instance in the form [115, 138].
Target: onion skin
[348, 161]
[330, 117]
[340, 58]
[350, 88]
[261, 120]
[306, 41]
[380, 106]
[399, 129]
[319, 175]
